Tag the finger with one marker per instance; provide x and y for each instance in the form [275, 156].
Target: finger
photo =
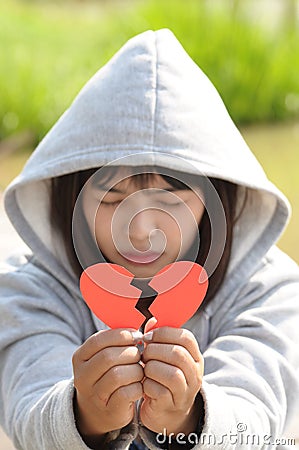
[169, 376]
[105, 338]
[177, 356]
[117, 377]
[123, 400]
[179, 336]
[158, 392]
[92, 370]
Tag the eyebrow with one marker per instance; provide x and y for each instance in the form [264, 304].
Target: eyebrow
[119, 191]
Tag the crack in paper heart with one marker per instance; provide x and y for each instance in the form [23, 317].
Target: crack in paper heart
[143, 304]
[110, 292]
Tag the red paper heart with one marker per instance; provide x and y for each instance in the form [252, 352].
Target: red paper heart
[107, 290]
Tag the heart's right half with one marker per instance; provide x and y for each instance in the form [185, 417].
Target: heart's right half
[182, 287]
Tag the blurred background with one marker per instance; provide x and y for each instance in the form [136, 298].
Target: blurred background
[248, 48]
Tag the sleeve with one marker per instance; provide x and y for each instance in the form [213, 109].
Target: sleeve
[251, 382]
[39, 333]
[250, 388]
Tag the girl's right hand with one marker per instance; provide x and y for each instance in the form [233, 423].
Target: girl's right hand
[107, 379]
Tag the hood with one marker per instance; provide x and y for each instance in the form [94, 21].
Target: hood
[151, 101]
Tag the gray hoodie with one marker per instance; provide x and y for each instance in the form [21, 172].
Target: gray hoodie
[152, 101]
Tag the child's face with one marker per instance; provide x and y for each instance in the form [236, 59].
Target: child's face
[144, 229]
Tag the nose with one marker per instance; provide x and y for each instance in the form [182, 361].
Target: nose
[140, 228]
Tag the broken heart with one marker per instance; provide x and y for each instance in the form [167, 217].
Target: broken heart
[181, 288]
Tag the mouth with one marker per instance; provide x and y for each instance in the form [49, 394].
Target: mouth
[148, 258]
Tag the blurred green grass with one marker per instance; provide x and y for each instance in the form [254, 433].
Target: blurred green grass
[50, 50]
[276, 146]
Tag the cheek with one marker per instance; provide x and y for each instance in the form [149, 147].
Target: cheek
[189, 223]
[103, 226]
[189, 230]
[197, 209]
[176, 232]
[170, 226]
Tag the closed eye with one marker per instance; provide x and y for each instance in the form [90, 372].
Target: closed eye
[111, 203]
[168, 204]
[159, 202]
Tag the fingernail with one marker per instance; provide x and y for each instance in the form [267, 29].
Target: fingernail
[147, 337]
[137, 336]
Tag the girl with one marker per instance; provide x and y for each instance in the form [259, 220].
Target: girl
[166, 176]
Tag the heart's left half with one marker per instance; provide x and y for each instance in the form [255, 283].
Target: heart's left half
[107, 290]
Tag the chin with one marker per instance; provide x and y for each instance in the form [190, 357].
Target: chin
[144, 272]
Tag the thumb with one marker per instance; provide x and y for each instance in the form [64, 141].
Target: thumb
[150, 324]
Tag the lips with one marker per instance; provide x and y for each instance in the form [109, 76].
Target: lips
[145, 258]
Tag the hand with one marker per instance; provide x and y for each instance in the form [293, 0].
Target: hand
[173, 369]
[107, 379]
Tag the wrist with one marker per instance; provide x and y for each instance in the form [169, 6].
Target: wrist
[191, 427]
[86, 425]
[189, 423]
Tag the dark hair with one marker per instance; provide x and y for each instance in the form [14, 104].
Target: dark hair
[66, 188]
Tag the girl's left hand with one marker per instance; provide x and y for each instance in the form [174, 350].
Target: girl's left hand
[173, 370]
